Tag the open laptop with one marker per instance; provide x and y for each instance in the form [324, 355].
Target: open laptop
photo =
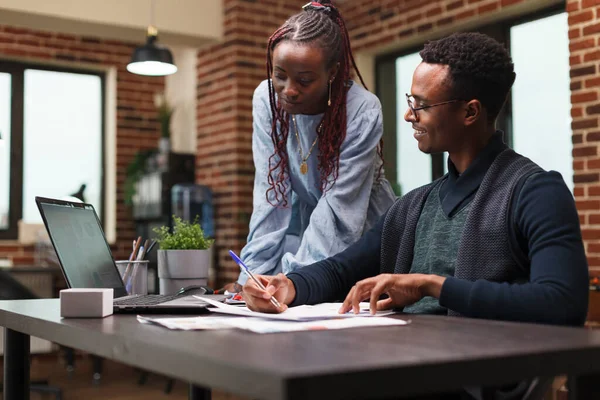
[87, 262]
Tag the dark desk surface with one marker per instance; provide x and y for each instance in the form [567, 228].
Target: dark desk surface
[431, 354]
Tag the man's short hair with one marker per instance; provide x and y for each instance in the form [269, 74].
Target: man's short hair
[480, 68]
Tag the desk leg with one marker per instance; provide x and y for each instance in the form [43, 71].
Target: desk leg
[583, 387]
[16, 365]
[199, 393]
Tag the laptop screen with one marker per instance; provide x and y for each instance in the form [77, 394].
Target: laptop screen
[80, 245]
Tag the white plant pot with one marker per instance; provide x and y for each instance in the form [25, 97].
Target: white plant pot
[181, 268]
[164, 145]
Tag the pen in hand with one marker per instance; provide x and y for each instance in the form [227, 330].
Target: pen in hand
[247, 271]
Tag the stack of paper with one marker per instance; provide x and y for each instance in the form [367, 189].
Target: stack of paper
[301, 318]
[299, 313]
[260, 325]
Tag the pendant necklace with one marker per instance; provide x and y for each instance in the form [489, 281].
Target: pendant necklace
[303, 164]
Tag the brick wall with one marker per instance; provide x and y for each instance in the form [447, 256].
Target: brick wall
[228, 73]
[584, 36]
[137, 127]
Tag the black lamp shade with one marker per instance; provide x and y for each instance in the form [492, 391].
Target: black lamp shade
[152, 59]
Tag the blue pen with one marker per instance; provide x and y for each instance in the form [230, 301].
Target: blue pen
[247, 271]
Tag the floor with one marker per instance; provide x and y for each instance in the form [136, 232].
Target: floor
[118, 381]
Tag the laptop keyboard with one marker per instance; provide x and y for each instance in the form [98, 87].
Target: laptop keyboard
[145, 300]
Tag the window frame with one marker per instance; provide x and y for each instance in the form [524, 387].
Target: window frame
[15, 202]
[385, 72]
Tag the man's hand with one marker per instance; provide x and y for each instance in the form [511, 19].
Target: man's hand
[402, 289]
[278, 286]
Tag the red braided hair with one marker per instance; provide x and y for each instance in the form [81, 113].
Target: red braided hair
[320, 23]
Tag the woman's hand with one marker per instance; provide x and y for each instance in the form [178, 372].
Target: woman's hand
[402, 290]
[278, 286]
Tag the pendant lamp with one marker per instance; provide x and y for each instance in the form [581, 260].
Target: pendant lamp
[152, 59]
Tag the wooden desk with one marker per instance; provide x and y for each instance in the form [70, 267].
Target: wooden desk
[432, 354]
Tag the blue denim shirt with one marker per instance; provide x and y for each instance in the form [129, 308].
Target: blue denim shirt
[317, 225]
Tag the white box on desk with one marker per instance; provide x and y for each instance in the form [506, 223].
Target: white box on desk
[86, 303]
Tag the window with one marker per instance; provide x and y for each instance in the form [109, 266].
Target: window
[55, 136]
[536, 119]
[5, 89]
[541, 102]
[414, 167]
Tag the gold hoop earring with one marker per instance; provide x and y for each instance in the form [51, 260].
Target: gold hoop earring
[329, 100]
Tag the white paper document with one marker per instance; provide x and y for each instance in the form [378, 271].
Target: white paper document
[189, 323]
[259, 325]
[299, 313]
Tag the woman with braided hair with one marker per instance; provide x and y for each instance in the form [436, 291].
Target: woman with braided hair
[319, 182]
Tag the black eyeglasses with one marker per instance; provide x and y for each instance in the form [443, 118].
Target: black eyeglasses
[411, 104]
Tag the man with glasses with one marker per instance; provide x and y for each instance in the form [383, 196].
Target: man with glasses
[497, 237]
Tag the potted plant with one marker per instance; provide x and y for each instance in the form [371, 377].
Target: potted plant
[165, 112]
[135, 170]
[184, 255]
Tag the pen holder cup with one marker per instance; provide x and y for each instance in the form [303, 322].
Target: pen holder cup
[134, 275]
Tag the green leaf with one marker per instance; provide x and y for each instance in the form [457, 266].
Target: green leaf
[185, 236]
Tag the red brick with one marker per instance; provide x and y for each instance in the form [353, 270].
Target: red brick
[589, 3]
[592, 82]
[7, 249]
[578, 165]
[424, 27]
[506, 3]
[585, 205]
[413, 18]
[583, 97]
[593, 109]
[593, 164]
[577, 138]
[591, 29]
[590, 234]
[594, 190]
[593, 137]
[465, 14]
[582, 44]
[433, 12]
[583, 16]
[594, 55]
[585, 151]
[582, 71]
[445, 21]
[594, 247]
[572, 5]
[574, 33]
[586, 177]
[23, 260]
[584, 123]
[578, 192]
[454, 5]
[574, 60]
[488, 8]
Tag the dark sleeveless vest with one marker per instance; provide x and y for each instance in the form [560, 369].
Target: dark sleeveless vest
[485, 250]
